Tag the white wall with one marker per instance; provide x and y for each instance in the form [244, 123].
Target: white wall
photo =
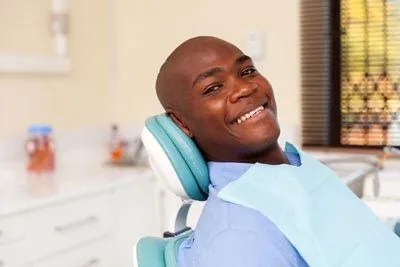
[117, 47]
[149, 30]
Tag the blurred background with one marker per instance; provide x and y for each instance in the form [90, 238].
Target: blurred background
[77, 83]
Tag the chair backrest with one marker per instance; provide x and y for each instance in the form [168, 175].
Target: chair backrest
[175, 158]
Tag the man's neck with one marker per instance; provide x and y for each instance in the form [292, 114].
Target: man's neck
[273, 156]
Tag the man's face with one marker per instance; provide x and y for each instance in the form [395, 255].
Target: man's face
[230, 107]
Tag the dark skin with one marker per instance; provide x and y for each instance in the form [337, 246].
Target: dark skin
[209, 88]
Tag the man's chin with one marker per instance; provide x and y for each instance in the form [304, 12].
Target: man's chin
[256, 134]
[262, 131]
[259, 140]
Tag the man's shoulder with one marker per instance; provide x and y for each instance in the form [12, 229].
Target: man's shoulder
[246, 247]
[230, 215]
[219, 216]
[225, 228]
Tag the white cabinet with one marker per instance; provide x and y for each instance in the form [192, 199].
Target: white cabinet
[58, 227]
[12, 229]
[96, 224]
[13, 254]
[96, 254]
[13, 242]
[135, 217]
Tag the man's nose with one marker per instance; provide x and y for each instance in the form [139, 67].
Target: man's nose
[241, 90]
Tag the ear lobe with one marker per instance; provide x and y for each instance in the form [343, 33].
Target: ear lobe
[181, 124]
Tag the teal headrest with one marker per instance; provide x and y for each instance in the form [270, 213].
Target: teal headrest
[175, 158]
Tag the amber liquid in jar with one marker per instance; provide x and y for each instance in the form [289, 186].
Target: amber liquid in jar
[40, 150]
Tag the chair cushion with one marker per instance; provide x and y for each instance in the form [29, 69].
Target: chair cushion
[175, 158]
[189, 151]
[149, 251]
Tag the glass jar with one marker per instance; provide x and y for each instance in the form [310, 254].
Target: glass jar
[117, 147]
[40, 149]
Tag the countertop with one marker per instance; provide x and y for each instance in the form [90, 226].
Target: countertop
[20, 192]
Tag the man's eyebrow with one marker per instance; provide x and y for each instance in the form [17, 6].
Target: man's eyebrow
[206, 74]
[242, 59]
[213, 71]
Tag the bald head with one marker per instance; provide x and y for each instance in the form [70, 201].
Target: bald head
[173, 79]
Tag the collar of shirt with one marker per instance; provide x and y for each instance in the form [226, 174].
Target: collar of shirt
[222, 173]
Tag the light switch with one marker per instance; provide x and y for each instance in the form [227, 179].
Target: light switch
[254, 44]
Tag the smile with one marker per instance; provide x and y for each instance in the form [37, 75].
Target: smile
[248, 115]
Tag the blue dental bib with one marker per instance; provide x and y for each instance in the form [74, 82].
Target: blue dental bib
[317, 212]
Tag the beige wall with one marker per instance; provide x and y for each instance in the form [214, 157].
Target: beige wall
[66, 101]
[149, 30]
[113, 78]
[24, 26]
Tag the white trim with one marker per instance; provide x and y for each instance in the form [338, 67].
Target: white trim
[42, 64]
[161, 165]
[37, 64]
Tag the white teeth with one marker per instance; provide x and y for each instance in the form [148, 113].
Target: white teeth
[249, 114]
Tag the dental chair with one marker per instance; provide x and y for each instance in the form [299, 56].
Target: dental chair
[176, 160]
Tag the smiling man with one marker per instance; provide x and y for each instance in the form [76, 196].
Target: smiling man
[214, 93]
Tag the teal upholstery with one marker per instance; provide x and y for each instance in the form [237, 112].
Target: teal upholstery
[184, 155]
[159, 252]
[171, 250]
[150, 252]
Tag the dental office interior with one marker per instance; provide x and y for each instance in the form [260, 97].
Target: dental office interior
[77, 83]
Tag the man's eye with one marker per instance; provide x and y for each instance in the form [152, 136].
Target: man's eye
[212, 89]
[249, 71]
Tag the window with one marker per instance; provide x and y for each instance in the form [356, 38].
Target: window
[351, 72]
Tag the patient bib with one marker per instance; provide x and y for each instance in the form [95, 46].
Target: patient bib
[317, 212]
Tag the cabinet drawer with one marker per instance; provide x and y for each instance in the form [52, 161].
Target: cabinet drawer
[98, 254]
[12, 229]
[62, 226]
[13, 255]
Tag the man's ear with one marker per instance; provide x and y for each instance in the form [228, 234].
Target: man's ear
[180, 124]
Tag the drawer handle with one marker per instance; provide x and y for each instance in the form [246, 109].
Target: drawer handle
[77, 224]
[92, 262]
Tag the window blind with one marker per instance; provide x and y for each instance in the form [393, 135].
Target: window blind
[316, 85]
